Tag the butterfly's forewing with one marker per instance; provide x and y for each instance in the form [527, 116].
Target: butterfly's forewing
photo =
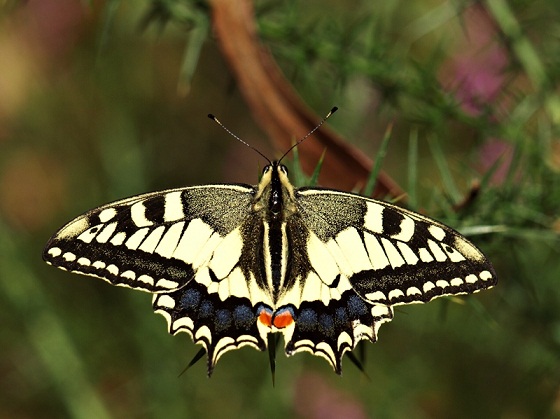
[152, 242]
[392, 255]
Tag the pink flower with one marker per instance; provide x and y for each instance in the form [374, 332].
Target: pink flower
[315, 398]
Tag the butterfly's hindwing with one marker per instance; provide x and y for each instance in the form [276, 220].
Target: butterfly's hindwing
[332, 329]
[219, 324]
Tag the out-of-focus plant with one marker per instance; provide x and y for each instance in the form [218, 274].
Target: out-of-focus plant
[103, 100]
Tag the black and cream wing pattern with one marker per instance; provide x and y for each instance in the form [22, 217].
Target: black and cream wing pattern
[230, 264]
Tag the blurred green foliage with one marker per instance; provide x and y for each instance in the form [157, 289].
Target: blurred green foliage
[94, 107]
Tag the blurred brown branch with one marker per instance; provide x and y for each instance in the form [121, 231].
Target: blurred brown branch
[279, 110]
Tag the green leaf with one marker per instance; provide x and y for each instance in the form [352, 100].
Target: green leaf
[378, 162]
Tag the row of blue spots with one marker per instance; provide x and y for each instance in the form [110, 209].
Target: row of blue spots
[311, 319]
[199, 308]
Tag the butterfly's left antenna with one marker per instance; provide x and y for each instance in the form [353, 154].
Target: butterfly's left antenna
[217, 121]
[333, 110]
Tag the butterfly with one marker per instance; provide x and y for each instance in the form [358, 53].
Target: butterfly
[231, 264]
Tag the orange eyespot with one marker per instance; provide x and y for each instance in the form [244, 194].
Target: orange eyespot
[283, 319]
[265, 318]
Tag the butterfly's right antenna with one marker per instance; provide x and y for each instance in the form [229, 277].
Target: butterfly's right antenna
[217, 121]
[333, 110]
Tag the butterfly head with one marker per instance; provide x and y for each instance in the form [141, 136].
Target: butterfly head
[275, 195]
[275, 191]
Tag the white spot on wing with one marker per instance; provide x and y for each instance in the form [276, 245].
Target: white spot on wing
[107, 214]
[222, 346]
[203, 333]
[413, 291]
[407, 229]
[213, 287]
[99, 264]
[378, 310]
[54, 252]
[170, 240]
[351, 245]
[311, 288]
[396, 293]
[112, 269]
[73, 229]
[238, 284]
[442, 284]
[106, 233]
[203, 276]
[376, 296]
[321, 260]
[223, 289]
[344, 339]
[118, 238]
[425, 255]
[129, 275]
[335, 294]
[456, 282]
[69, 257]
[84, 261]
[166, 301]
[227, 254]
[392, 253]
[471, 279]
[428, 286]
[184, 323]
[173, 207]
[136, 239]
[302, 345]
[149, 245]
[485, 275]
[166, 283]
[147, 279]
[409, 256]
[436, 251]
[467, 249]
[325, 294]
[193, 239]
[437, 232]
[373, 220]
[88, 235]
[362, 331]
[376, 253]
[138, 215]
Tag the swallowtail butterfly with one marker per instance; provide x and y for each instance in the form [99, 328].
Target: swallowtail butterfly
[231, 263]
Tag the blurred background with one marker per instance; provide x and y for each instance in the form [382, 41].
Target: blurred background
[103, 100]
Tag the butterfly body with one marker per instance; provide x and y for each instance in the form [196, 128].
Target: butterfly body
[230, 264]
